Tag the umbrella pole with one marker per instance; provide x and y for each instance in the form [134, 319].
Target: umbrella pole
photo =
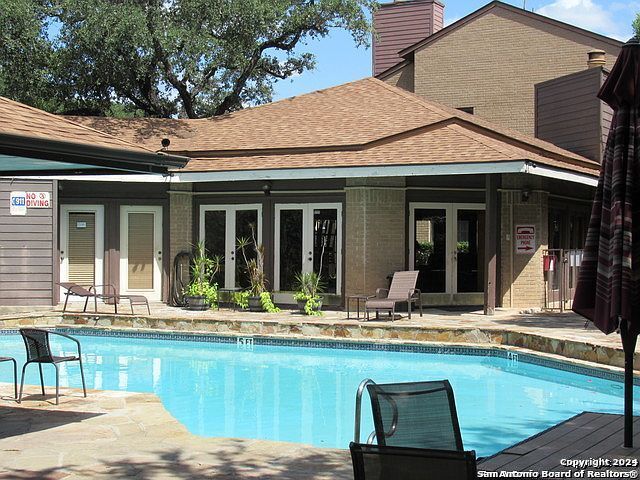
[629, 345]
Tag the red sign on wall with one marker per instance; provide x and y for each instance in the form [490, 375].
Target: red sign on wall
[525, 239]
[38, 200]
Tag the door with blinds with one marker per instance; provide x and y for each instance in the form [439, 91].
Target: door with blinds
[141, 251]
[82, 244]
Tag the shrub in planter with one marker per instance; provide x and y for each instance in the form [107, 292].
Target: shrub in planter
[202, 292]
[310, 286]
[258, 299]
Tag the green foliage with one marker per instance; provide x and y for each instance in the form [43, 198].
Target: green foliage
[205, 289]
[462, 247]
[241, 299]
[424, 250]
[312, 307]
[191, 58]
[254, 266]
[310, 286]
[636, 25]
[26, 53]
[267, 303]
[203, 269]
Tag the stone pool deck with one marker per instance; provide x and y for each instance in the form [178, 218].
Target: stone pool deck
[561, 334]
[129, 435]
[114, 435]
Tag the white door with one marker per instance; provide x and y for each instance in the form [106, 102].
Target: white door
[141, 251]
[308, 238]
[221, 226]
[446, 244]
[81, 244]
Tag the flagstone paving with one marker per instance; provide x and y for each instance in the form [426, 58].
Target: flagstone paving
[112, 435]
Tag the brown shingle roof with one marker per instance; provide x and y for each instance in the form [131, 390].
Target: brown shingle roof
[20, 119]
[361, 123]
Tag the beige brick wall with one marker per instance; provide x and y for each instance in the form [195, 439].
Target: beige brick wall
[522, 281]
[180, 220]
[403, 78]
[375, 244]
[493, 62]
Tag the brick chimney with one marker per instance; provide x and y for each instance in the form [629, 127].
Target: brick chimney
[597, 58]
[401, 24]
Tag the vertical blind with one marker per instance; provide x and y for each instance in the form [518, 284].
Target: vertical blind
[140, 251]
[81, 253]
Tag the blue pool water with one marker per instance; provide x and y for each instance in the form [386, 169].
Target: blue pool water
[307, 394]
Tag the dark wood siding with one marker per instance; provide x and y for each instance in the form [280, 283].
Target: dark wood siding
[399, 25]
[28, 244]
[113, 195]
[568, 112]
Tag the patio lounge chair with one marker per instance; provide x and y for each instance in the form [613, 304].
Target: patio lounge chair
[15, 373]
[403, 289]
[402, 463]
[38, 348]
[416, 415]
[108, 293]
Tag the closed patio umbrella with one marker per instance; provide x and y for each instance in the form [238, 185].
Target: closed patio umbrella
[608, 288]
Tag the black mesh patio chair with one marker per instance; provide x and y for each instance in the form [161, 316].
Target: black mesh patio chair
[416, 415]
[15, 373]
[375, 462]
[39, 351]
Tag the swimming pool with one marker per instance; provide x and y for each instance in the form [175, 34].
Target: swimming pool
[306, 394]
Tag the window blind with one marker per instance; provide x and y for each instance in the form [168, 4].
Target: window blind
[140, 252]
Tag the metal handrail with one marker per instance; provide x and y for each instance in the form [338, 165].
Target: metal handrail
[361, 387]
[371, 438]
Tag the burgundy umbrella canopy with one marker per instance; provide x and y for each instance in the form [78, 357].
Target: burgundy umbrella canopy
[608, 288]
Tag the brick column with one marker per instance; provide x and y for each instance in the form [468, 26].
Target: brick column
[522, 280]
[375, 243]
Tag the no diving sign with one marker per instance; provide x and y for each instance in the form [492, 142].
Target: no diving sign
[19, 202]
[526, 239]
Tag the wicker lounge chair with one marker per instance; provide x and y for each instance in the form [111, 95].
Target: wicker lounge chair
[402, 290]
[402, 463]
[38, 348]
[416, 415]
[15, 373]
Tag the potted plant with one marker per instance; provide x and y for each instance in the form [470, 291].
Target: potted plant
[310, 286]
[259, 299]
[202, 293]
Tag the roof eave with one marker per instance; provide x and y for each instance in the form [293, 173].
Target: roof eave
[476, 168]
[85, 154]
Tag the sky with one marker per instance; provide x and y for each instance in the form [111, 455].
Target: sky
[338, 60]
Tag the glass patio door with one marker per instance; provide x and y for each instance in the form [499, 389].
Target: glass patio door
[308, 238]
[446, 244]
[221, 226]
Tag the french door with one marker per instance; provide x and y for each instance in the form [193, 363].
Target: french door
[308, 238]
[446, 244]
[221, 226]
[82, 244]
[141, 251]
